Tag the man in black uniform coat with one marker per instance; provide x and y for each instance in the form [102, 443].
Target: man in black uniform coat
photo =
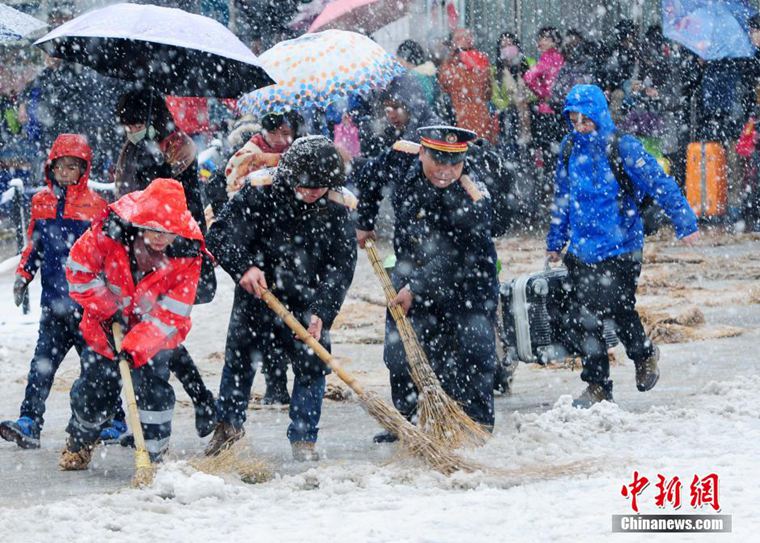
[295, 237]
[445, 271]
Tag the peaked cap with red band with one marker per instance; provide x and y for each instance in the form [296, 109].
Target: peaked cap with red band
[447, 144]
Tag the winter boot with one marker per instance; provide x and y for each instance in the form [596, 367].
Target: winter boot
[276, 394]
[503, 376]
[385, 437]
[112, 433]
[303, 451]
[205, 415]
[225, 435]
[75, 457]
[128, 441]
[24, 432]
[593, 394]
[647, 372]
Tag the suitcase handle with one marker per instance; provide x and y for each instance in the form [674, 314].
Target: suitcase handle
[548, 264]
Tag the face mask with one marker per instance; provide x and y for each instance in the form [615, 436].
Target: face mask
[137, 137]
[509, 52]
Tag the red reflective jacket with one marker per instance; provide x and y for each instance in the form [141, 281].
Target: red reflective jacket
[157, 308]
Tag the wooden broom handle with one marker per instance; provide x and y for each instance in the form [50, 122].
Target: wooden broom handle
[141, 454]
[385, 281]
[303, 334]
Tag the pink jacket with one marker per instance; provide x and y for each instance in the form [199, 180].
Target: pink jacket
[541, 77]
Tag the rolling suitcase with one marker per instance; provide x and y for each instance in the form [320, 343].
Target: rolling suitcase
[706, 179]
[532, 310]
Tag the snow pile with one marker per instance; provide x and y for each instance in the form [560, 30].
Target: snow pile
[554, 473]
[562, 468]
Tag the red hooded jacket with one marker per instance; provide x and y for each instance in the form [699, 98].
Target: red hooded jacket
[157, 308]
[59, 216]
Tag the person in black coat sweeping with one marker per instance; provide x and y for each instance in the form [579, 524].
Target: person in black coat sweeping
[445, 272]
[293, 235]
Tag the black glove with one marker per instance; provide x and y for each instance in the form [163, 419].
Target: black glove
[119, 318]
[126, 357]
[19, 289]
[107, 326]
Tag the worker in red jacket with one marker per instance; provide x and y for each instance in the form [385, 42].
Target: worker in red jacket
[140, 266]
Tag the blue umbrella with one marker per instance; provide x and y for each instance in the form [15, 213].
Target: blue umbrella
[15, 25]
[713, 29]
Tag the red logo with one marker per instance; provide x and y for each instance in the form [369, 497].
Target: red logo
[703, 491]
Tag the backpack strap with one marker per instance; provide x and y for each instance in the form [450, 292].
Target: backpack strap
[618, 168]
[567, 150]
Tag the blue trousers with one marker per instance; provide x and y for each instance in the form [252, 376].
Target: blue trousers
[95, 399]
[57, 335]
[257, 336]
[461, 348]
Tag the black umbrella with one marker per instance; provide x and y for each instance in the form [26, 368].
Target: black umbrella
[175, 52]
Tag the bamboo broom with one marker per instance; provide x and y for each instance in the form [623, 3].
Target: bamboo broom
[440, 416]
[437, 456]
[144, 470]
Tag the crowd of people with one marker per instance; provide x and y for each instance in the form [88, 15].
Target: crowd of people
[450, 143]
[658, 91]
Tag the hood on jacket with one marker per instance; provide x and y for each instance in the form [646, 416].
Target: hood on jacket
[407, 91]
[463, 39]
[161, 206]
[74, 145]
[589, 100]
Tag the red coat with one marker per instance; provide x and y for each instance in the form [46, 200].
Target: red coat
[157, 308]
[466, 78]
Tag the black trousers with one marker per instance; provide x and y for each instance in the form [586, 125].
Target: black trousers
[257, 336]
[547, 131]
[95, 399]
[605, 290]
[182, 366]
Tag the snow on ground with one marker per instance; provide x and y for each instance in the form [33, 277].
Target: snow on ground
[553, 473]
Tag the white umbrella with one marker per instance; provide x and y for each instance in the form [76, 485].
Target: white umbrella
[176, 52]
[15, 25]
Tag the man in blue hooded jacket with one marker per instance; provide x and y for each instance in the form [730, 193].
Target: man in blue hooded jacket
[600, 225]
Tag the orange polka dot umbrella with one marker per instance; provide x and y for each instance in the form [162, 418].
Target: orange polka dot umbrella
[314, 70]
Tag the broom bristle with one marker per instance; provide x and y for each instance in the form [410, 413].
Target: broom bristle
[143, 477]
[440, 416]
[435, 454]
[237, 459]
[445, 421]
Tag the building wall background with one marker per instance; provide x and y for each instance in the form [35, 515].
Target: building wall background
[427, 21]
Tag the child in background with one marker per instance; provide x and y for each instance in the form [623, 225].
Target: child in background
[61, 213]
